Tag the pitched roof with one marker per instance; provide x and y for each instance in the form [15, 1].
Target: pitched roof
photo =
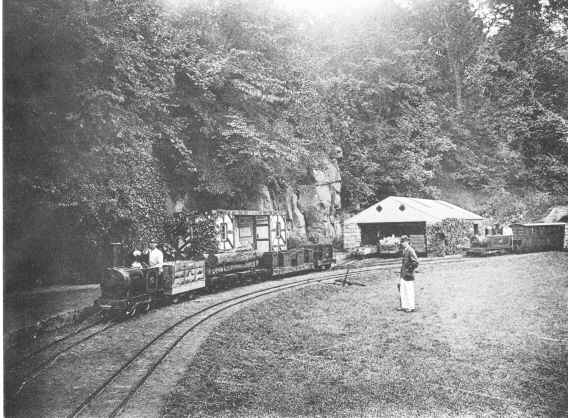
[409, 209]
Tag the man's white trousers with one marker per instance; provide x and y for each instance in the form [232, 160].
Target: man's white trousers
[407, 294]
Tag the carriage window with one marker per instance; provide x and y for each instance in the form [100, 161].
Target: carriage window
[223, 231]
[245, 231]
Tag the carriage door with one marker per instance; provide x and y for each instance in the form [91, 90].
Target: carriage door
[225, 232]
[245, 232]
[262, 233]
[278, 233]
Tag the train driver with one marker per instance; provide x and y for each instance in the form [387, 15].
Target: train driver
[155, 257]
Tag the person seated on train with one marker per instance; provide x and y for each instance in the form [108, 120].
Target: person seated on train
[137, 259]
[155, 256]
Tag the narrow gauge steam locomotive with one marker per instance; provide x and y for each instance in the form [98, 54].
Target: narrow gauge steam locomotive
[252, 245]
[529, 237]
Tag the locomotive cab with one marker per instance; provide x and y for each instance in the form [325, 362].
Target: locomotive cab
[127, 290]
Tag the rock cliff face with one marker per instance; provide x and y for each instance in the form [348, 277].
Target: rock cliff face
[320, 202]
[312, 208]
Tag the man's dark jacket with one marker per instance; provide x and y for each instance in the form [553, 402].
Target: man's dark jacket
[409, 263]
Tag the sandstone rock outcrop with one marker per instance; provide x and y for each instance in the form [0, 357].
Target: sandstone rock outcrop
[312, 208]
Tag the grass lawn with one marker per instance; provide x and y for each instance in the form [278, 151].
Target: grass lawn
[489, 338]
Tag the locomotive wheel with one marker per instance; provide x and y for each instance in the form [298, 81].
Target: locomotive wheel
[131, 312]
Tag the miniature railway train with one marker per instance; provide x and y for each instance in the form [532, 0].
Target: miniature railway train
[531, 237]
[129, 290]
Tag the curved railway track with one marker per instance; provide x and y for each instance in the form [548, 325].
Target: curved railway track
[54, 342]
[21, 377]
[115, 392]
[20, 362]
[112, 395]
[36, 369]
[141, 365]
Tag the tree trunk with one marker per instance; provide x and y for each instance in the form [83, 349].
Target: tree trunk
[458, 85]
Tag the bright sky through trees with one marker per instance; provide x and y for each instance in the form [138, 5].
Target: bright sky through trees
[328, 5]
[314, 6]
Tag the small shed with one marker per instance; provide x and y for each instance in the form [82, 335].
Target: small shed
[559, 214]
[538, 236]
[435, 227]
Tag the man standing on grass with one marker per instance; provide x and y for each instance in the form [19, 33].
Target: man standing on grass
[409, 264]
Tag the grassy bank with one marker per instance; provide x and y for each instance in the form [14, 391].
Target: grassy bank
[489, 338]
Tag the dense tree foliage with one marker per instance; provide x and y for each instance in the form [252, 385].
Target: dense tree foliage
[114, 108]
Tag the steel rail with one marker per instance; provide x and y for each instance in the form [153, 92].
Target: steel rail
[117, 410]
[237, 299]
[46, 363]
[149, 372]
[51, 344]
[336, 273]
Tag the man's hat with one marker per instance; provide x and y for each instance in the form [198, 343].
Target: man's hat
[404, 238]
